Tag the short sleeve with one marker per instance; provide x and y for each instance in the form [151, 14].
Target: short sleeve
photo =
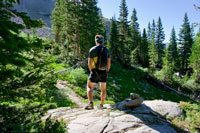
[91, 53]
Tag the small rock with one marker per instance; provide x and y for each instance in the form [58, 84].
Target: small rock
[134, 103]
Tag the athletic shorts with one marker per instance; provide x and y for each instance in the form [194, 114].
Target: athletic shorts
[98, 76]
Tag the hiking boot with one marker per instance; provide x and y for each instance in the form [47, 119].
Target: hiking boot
[100, 106]
[89, 106]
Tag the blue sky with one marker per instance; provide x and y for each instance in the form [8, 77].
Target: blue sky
[171, 12]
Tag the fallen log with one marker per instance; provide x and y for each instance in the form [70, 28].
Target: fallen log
[79, 64]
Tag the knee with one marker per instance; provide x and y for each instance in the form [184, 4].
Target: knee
[89, 88]
[103, 91]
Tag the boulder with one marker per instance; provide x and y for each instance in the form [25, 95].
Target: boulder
[164, 108]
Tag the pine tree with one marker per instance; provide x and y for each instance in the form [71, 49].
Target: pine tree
[170, 60]
[186, 41]
[124, 33]
[172, 49]
[168, 66]
[123, 19]
[17, 50]
[134, 30]
[135, 37]
[153, 30]
[160, 37]
[153, 54]
[11, 43]
[91, 24]
[57, 20]
[195, 58]
[114, 41]
[149, 33]
[144, 49]
[80, 21]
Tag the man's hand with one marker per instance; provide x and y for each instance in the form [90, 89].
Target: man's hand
[109, 64]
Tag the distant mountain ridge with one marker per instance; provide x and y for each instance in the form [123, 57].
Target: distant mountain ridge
[42, 9]
[37, 9]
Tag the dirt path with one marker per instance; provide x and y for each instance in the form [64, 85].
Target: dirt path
[70, 93]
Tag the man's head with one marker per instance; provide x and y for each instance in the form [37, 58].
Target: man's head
[99, 39]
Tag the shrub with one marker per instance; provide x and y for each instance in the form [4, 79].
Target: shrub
[191, 84]
[78, 76]
[58, 67]
[159, 75]
[82, 92]
[192, 115]
[51, 125]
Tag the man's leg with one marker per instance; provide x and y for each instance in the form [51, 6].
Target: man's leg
[103, 92]
[90, 90]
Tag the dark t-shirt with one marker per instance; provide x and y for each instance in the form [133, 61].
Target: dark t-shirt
[94, 51]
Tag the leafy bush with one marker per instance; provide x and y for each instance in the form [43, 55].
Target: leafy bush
[58, 67]
[159, 75]
[51, 59]
[185, 79]
[24, 116]
[54, 59]
[80, 91]
[24, 112]
[78, 76]
[51, 125]
[191, 119]
[191, 84]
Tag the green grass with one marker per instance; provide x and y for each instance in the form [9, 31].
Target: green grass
[121, 82]
[132, 81]
[98, 101]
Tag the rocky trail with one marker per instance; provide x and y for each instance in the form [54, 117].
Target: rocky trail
[147, 118]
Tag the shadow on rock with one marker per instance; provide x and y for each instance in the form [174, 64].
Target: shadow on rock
[149, 116]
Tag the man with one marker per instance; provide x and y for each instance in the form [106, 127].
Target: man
[99, 62]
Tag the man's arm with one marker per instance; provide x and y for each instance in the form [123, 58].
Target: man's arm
[109, 64]
[90, 61]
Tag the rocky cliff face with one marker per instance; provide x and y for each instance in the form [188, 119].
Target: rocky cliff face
[42, 9]
[37, 9]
